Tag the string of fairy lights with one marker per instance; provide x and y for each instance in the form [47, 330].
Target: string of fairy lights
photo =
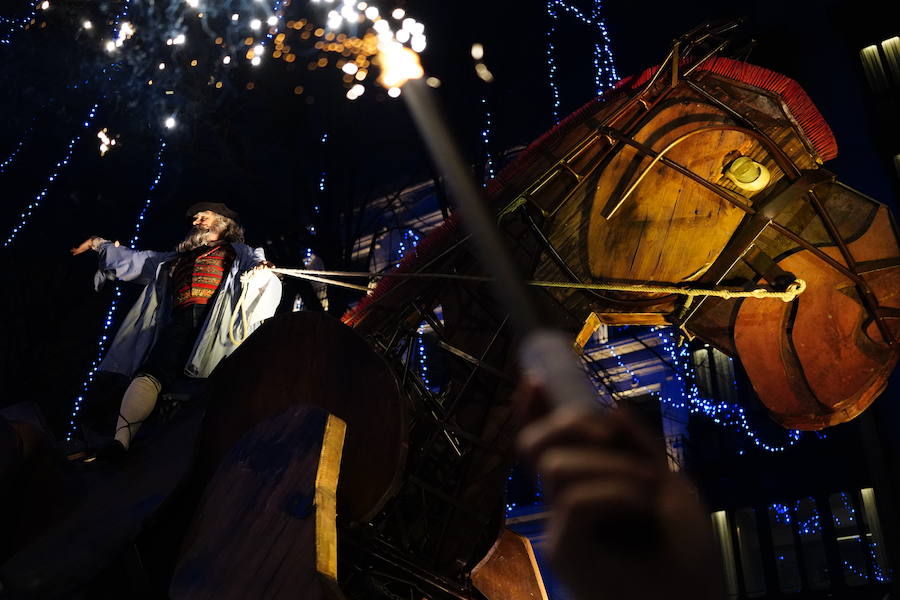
[810, 527]
[32, 206]
[408, 242]
[10, 26]
[106, 330]
[605, 75]
[489, 172]
[720, 412]
[9, 160]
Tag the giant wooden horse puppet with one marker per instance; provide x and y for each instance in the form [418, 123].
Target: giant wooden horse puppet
[700, 173]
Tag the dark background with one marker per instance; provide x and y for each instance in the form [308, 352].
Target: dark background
[261, 150]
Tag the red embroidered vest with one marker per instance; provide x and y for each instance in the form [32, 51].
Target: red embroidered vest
[199, 273]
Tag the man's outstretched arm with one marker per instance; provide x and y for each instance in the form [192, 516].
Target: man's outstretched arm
[92, 243]
[121, 262]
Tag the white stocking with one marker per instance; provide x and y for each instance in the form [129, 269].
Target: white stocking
[137, 404]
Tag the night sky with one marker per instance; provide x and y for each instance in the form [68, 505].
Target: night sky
[262, 150]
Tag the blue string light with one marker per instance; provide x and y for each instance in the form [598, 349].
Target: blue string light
[551, 59]
[117, 20]
[422, 357]
[785, 514]
[781, 513]
[812, 525]
[12, 156]
[721, 413]
[486, 142]
[604, 68]
[133, 242]
[323, 175]
[851, 512]
[409, 241]
[605, 75]
[13, 25]
[54, 174]
[278, 12]
[117, 294]
[878, 573]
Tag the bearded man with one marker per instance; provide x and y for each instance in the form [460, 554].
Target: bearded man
[181, 323]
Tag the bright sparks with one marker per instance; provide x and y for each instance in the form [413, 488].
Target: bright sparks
[395, 51]
[399, 64]
[106, 142]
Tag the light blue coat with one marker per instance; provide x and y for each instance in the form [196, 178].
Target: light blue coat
[142, 324]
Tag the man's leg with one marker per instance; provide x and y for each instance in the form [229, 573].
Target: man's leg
[137, 404]
[162, 367]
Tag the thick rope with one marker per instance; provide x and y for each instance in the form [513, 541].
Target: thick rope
[793, 290]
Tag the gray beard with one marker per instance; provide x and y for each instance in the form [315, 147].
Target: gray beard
[194, 239]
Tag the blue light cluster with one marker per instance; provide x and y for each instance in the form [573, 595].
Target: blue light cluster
[160, 165]
[719, 412]
[851, 512]
[12, 156]
[605, 75]
[423, 358]
[408, 242]
[117, 294]
[278, 12]
[323, 175]
[784, 514]
[10, 26]
[117, 20]
[551, 58]
[781, 512]
[877, 572]
[810, 526]
[54, 173]
[489, 172]
[509, 505]
[881, 576]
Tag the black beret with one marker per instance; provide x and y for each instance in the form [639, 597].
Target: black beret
[216, 207]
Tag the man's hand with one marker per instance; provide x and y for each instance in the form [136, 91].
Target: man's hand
[84, 246]
[621, 524]
[264, 265]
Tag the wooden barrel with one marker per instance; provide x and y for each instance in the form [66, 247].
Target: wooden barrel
[307, 358]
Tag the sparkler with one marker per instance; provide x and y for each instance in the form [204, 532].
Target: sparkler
[544, 354]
